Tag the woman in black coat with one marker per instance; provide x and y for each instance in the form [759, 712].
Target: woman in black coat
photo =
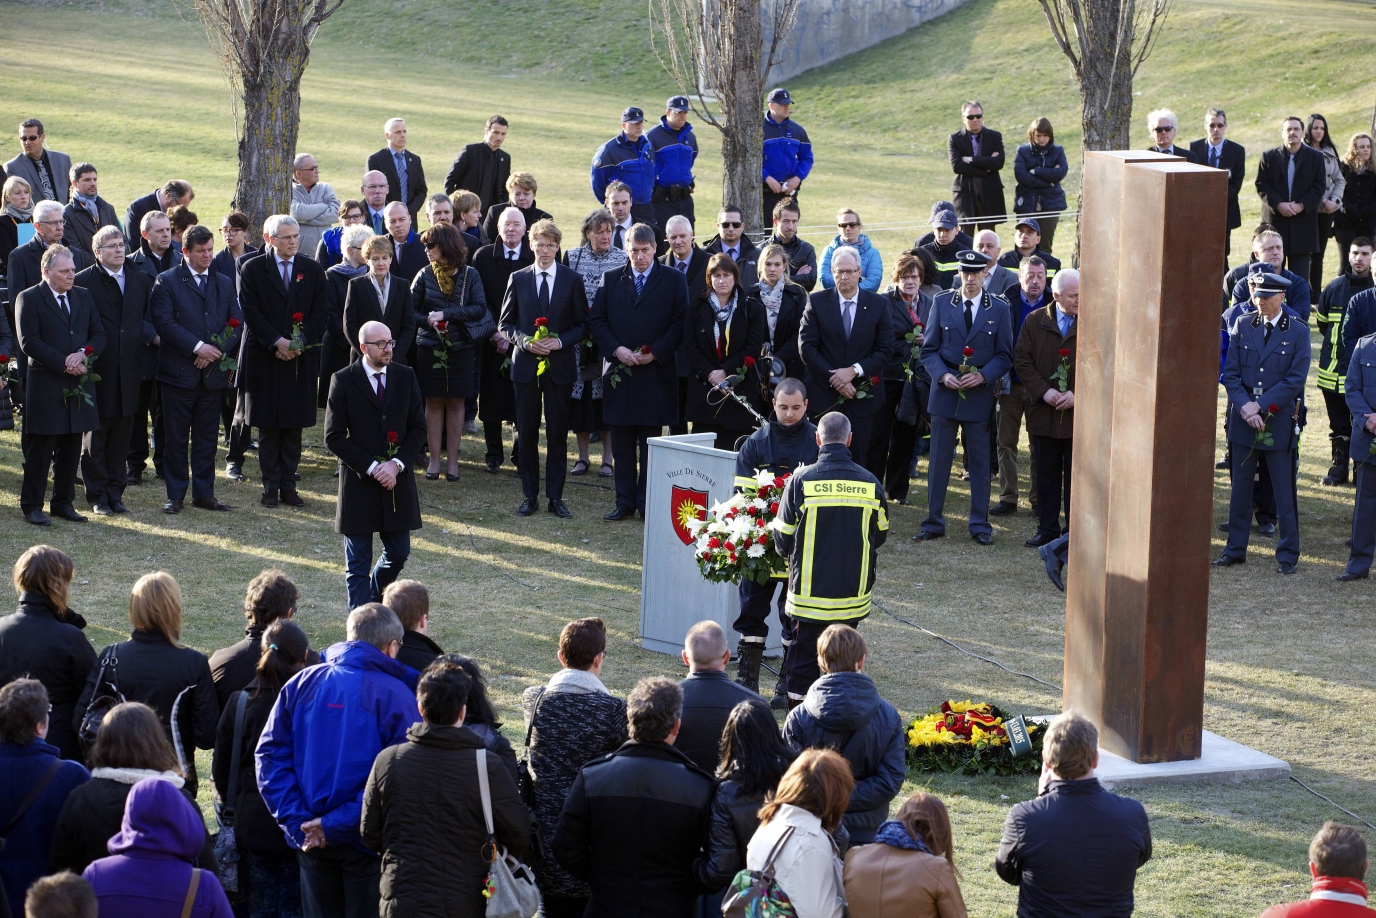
[724, 332]
[43, 641]
[130, 747]
[446, 294]
[1358, 214]
[336, 350]
[154, 668]
[783, 303]
[275, 887]
[893, 440]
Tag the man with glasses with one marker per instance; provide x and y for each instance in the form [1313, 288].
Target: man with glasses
[375, 424]
[87, 212]
[283, 297]
[787, 153]
[375, 192]
[871, 265]
[314, 204]
[976, 154]
[732, 241]
[24, 268]
[1162, 125]
[802, 257]
[46, 171]
[174, 191]
[1217, 152]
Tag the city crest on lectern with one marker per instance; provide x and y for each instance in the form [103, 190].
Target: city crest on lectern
[686, 504]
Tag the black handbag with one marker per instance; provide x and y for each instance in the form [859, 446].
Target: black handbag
[105, 697]
[7, 408]
[226, 845]
[476, 329]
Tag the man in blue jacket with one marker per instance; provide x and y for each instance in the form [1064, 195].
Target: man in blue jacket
[675, 150]
[1361, 401]
[317, 750]
[787, 154]
[628, 157]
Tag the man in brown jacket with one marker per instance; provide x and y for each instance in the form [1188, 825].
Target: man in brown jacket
[1044, 360]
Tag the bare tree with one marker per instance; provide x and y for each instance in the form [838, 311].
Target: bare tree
[264, 46]
[713, 48]
[1106, 42]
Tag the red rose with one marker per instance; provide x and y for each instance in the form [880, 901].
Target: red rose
[4, 359]
[300, 277]
[774, 507]
[88, 350]
[1273, 409]
[969, 352]
[541, 322]
[779, 481]
[298, 317]
[714, 542]
[750, 361]
[1065, 352]
[392, 436]
[441, 326]
[730, 546]
[644, 349]
[233, 323]
[874, 380]
[763, 540]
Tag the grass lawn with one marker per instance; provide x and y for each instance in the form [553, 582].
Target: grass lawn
[1291, 668]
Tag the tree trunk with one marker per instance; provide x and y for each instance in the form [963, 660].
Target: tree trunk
[267, 142]
[742, 112]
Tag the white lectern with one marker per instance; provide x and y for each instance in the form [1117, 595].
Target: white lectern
[686, 476]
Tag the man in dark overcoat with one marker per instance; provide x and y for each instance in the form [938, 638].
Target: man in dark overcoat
[1291, 183]
[637, 319]
[976, 155]
[375, 424]
[121, 297]
[495, 263]
[59, 329]
[281, 355]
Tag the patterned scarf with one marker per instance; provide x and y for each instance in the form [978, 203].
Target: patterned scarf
[444, 276]
[21, 215]
[894, 834]
[773, 298]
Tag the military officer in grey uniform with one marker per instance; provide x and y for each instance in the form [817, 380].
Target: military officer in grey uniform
[967, 350]
[1268, 360]
[1361, 401]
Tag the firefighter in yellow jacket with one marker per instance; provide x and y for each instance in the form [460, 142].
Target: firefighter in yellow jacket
[830, 524]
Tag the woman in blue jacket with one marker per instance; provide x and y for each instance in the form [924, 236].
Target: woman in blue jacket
[871, 266]
[1039, 167]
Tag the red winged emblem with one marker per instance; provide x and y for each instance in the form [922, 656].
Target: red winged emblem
[686, 504]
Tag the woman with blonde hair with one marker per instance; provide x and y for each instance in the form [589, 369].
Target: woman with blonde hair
[154, 668]
[1358, 215]
[910, 870]
[794, 837]
[16, 207]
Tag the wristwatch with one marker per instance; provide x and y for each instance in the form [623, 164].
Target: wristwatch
[859, 370]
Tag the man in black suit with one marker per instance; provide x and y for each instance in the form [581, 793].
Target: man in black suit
[375, 191]
[405, 174]
[495, 264]
[408, 255]
[175, 191]
[121, 296]
[846, 339]
[731, 240]
[1162, 125]
[551, 296]
[689, 260]
[637, 318]
[1291, 183]
[87, 211]
[976, 155]
[283, 297]
[375, 424]
[483, 168]
[198, 320]
[1217, 152]
[157, 252]
[59, 330]
[25, 265]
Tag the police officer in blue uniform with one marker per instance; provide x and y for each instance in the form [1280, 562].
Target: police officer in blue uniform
[1268, 360]
[1361, 400]
[964, 387]
[787, 154]
[675, 150]
[628, 157]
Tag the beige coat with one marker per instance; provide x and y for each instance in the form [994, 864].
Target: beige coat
[887, 882]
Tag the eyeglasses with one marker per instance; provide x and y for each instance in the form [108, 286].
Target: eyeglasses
[847, 225]
[845, 271]
[1218, 124]
[385, 345]
[974, 117]
[730, 225]
[309, 169]
[58, 222]
[112, 246]
[1163, 129]
[291, 238]
[28, 139]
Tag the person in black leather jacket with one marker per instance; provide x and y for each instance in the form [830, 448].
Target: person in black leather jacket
[843, 711]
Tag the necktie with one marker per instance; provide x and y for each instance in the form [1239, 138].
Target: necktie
[974, 144]
[286, 274]
[119, 279]
[403, 189]
[1213, 157]
[639, 284]
[544, 292]
[683, 267]
[377, 223]
[62, 298]
[1064, 322]
[43, 179]
[200, 282]
[848, 315]
[1269, 327]
[618, 239]
[969, 314]
[731, 253]
[381, 386]
[510, 255]
[1290, 178]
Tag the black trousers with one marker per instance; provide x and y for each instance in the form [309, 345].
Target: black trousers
[61, 453]
[769, 200]
[104, 459]
[1315, 275]
[682, 426]
[1339, 416]
[631, 456]
[800, 658]
[1052, 469]
[492, 437]
[556, 398]
[191, 415]
[1299, 264]
[665, 208]
[238, 435]
[727, 437]
[1363, 519]
[279, 453]
[150, 406]
[753, 622]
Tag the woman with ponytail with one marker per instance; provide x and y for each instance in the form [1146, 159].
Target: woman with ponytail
[267, 865]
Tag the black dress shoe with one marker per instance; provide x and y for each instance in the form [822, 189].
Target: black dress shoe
[1349, 576]
[560, 509]
[494, 466]
[235, 472]
[269, 499]
[101, 508]
[1266, 529]
[172, 506]
[1053, 567]
[448, 477]
[432, 476]
[1004, 508]
[291, 499]
[527, 507]
[982, 538]
[925, 536]
[619, 514]
[134, 478]
[117, 505]
[1038, 540]
[210, 503]
[68, 513]
[38, 518]
[1227, 561]
[1223, 526]
[1285, 567]
[1222, 463]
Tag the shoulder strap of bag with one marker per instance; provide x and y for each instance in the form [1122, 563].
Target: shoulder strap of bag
[237, 756]
[31, 797]
[484, 791]
[177, 745]
[190, 901]
[544, 693]
[768, 868]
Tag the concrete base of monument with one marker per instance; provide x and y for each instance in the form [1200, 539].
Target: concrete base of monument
[1222, 762]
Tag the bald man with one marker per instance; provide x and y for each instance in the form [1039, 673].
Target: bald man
[405, 175]
[709, 694]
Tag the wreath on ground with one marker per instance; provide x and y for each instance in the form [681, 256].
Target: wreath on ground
[971, 738]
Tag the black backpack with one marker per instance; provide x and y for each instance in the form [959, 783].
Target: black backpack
[105, 697]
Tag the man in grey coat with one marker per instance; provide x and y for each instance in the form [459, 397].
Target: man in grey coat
[46, 171]
[314, 204]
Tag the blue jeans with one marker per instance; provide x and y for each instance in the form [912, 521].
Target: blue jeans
[364, 585]
[274, 885]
